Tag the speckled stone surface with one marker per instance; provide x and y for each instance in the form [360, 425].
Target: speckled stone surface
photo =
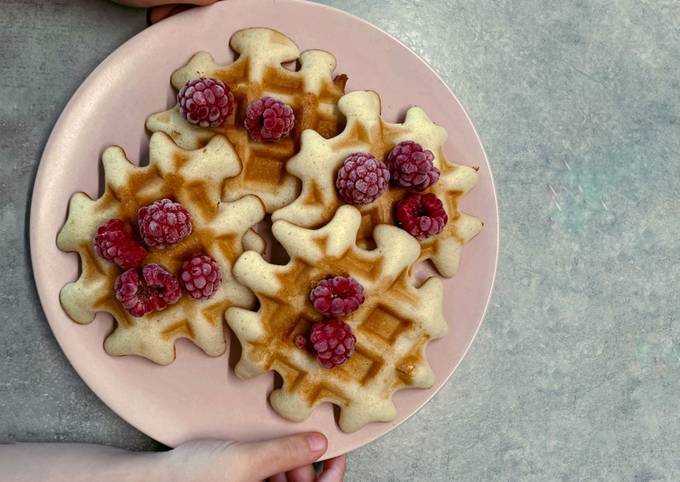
[575, 374]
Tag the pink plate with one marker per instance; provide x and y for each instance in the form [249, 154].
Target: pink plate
[198, 396]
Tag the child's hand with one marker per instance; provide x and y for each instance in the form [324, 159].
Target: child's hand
[286, 459]
[160, 9]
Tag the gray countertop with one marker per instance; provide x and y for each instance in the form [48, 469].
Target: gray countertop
[575, 374]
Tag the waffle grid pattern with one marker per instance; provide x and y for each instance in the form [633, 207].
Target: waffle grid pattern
[195, 179]
[258, 72]
[392, 327]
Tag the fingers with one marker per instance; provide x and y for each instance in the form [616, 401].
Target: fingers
[283, 454]
[155, 3]
[278, 478]
[302, 474]
[333, 470]
[156, 14]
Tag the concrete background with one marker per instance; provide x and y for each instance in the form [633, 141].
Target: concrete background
[575, 373]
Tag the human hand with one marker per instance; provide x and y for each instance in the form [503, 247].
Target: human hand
[286, 459]
[160, 9]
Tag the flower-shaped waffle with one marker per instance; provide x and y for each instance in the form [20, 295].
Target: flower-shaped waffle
[193, 178]
[319, 160]
[311, 91]
[392, 327]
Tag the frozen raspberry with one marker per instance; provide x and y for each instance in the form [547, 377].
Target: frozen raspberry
[338, 296]
[163, 223]
[422, 215]
[362, 179]
[200, 276]
[153, 290]
[411, 166]
[206, 102]
[114, 242]
[268, 119]
[333, 342]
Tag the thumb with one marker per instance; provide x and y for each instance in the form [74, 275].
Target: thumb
[282, 454]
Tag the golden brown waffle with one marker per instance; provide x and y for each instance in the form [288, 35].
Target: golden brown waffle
[195, 179]
[311, 91]
[319, 159]
[392, 327]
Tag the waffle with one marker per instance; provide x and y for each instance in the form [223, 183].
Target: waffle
[311, 91]
[392, 327]
[319, 160]
[193, 178]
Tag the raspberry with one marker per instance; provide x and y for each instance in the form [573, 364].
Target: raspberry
[154, 290]
[268, 119]
[362, 179]
[338, 296]
[422, 215]
[206, 102]
[333, 342]
[200, 276]
[114, 242]
[163, 223]
[411, 166]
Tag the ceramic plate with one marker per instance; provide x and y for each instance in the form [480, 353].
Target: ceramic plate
[198, 396]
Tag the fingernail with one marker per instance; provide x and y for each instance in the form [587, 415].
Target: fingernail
[316, 441]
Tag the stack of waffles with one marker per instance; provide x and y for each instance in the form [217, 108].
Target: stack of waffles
[171, 249]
